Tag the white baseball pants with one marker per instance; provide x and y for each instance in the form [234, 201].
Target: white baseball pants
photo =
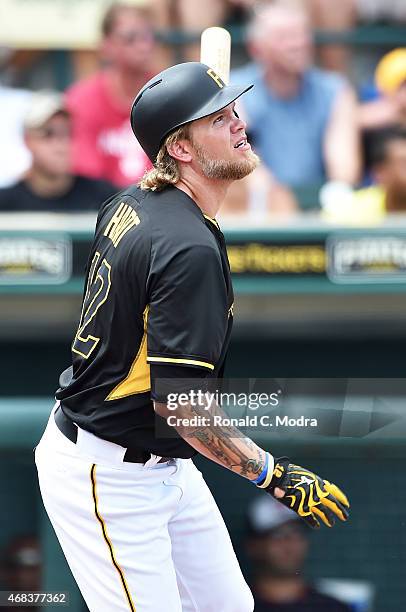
[144, 538]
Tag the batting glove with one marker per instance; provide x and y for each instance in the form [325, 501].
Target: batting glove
[307, 494]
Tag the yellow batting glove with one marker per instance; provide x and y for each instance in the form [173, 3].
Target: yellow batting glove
[307, 494]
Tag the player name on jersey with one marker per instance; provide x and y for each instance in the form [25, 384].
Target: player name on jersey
[122, 221]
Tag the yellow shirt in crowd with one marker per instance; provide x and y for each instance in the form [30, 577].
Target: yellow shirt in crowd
[362, 207]
[369, 204]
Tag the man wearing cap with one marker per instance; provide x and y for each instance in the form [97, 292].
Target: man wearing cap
[277, 544]
[137, 523]
[49, 185]
[384, 104]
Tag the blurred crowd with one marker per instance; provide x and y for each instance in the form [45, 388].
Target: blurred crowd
[277, 544]
[324, 121]
[21, 569]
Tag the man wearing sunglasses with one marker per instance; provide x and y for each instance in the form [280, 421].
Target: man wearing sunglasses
[49, 184]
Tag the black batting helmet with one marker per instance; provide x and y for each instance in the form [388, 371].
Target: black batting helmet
[177, 95]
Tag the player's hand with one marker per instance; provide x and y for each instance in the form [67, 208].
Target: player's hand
[307, 494]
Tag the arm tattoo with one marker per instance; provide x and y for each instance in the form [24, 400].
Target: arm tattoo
[227, 444]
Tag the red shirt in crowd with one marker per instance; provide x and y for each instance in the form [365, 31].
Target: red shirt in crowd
[104, 145]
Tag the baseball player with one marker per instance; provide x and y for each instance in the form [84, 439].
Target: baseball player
[134, 517]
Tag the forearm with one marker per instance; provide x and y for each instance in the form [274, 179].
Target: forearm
[343, 158]
[302, 491]
[225, 445]
[376, 114]
[342, 150]
[204, 425]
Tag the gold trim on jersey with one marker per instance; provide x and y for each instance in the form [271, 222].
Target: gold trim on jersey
[138, 380]
[107, 539]
[204, 364]
[121, 222]
[212, 220]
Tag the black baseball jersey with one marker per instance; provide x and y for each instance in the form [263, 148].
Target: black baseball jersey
[158, 296]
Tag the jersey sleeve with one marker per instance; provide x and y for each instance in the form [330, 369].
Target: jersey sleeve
[187, 318]
[167, 379]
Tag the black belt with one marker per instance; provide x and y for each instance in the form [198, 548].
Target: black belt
[70, 430]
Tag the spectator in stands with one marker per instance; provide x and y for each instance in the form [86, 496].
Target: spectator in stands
[49, 184]
[388, 195]
[383, 104]
[21, 566]
[14, 156]
[302, 120]
[388, 104]
[104, 146]
[277, 545]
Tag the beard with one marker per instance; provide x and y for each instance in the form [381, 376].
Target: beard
[226, 170]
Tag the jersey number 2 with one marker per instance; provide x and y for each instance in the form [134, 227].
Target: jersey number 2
[97, 291]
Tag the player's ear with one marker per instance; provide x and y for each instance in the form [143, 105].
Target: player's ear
[180, 150]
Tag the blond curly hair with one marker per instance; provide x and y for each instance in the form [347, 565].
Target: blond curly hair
[166, 170]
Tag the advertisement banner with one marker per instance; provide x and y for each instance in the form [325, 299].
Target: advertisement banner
[52, 24]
